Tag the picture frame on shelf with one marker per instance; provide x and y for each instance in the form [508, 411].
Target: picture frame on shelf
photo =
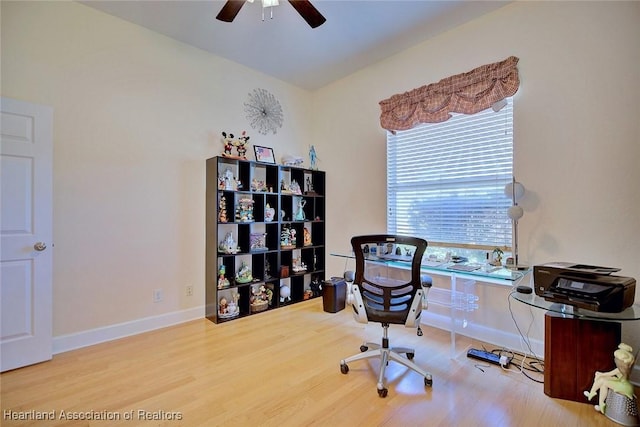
[264, 154]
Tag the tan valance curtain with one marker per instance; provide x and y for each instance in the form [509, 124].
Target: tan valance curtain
[465, 93]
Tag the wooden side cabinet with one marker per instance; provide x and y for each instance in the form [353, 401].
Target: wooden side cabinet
[574, 349]
[265, 236]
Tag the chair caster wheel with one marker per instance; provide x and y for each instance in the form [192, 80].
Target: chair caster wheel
[382, 392]
[410, 356]
[428, 381]
[363, 348]
[344, 369]
[419, 332]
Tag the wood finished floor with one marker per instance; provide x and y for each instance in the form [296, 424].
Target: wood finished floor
[278, 368]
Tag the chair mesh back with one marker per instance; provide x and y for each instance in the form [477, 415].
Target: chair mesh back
[388, 292]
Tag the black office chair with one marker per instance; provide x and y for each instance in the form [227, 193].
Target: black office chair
[386, 300]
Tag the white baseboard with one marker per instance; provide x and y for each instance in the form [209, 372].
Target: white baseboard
[497, 337]
[77, 340]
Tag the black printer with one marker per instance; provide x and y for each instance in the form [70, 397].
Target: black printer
[584, 286]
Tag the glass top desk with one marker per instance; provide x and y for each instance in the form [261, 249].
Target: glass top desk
[565, 310]
[461, 299]
[569, 333]
[497, 275]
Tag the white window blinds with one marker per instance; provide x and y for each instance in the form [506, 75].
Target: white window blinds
[445, 181]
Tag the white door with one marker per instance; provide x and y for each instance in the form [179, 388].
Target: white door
[26, 233]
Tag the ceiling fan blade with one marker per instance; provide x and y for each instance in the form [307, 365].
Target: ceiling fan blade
[230, 10]
[308, 12]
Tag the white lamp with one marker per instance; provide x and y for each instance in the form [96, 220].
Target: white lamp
[516, 191]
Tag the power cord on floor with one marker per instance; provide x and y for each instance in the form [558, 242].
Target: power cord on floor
[521, 361]
[525, 339]
[480, 367]
[526, 361]
[536, 364]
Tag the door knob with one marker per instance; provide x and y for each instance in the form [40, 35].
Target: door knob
[40, 246]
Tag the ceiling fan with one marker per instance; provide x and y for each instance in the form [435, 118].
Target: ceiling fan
[303, 7]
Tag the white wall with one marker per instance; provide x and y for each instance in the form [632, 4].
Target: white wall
[137, 113]
[576, 136]
[135, 116]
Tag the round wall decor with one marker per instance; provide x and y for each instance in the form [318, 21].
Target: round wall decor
[263, 111]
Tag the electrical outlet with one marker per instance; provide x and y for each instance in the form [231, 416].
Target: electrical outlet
[189, 290]
[157, 295]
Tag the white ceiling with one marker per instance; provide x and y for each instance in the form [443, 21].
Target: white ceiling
[357, 33]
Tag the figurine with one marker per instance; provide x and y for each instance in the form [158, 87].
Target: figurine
[294, 187]
[244, 274]
[285, 293]
[223, 306]
[497, 257]
[258, 242]
[244, 210]
[616, 380]
[228, 144]
[298, 265]
[228, 245]
[291, 160]
[287, 237]
[261, 298]
[307, 237]
[241, 145]
[315, 286]
[310, 189]
[258, 185]
[313, 158]
[222, 215]
[232, 306]
[226, 181]
[223, 282]
[299, 216]
[267, 270]
[269, 213]
[228, 309]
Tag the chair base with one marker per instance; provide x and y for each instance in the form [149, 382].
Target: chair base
[402, 355]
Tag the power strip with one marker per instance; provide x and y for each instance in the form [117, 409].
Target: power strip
[488, 357]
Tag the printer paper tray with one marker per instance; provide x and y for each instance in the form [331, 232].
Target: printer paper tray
[580, 303]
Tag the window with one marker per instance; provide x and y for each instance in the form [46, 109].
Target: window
[445, 181]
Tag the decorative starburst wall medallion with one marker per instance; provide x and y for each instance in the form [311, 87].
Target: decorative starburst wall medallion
[263, 111]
